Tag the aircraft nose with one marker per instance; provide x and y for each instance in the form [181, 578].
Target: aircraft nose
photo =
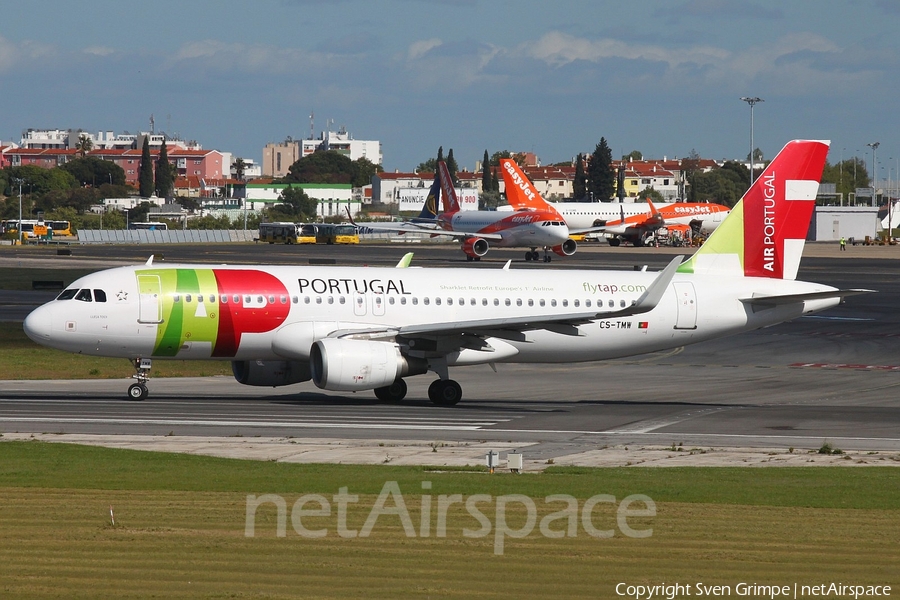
[38, 323]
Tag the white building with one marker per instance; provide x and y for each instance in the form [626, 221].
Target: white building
[334, 198]
[278, 158]
[68, 139]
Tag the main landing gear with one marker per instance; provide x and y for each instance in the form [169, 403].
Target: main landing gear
[441, 392]
[534, 255]
[138, 391]
[444, 392]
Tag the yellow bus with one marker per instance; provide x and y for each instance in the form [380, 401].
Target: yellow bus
[343, 233]
[34, 228]
[278, 233]
[307, 233]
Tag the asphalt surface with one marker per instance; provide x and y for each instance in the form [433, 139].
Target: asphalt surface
[833, 377]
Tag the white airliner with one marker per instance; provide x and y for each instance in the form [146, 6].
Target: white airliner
[350, 328]
[478, 230]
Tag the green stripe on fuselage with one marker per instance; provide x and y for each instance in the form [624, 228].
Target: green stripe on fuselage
[187, 319]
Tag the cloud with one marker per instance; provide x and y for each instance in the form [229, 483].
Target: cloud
[24, 54]
[98, 50]
[421, 48]
[214, 55]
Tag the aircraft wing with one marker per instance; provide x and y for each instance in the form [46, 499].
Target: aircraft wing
[560, 323]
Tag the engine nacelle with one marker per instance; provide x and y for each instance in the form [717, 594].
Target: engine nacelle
[270, 372]
[475, 247]
[567, 248]
[344, 365]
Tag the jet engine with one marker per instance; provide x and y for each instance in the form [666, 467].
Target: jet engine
[567, 248]
[270, 372]
[475, 247]
[349, 365]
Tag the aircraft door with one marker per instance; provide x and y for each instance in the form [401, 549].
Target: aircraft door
[687, 305]
[150, 305]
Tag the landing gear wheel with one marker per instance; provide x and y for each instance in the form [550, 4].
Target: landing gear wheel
[137, 391]
[392, 393]
[444, 392]
[528, 256]
[469, 258]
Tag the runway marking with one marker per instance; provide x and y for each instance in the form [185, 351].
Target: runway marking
[215, 423]
[846, 366]
[649, 425]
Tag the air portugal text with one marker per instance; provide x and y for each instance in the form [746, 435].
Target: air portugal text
[350, 285]
[769, 223]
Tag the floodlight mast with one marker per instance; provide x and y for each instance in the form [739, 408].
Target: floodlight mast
[751, 101]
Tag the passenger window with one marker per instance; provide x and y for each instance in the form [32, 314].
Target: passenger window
[553, 302]
[496, 301]
[176, 298]
[318, 299]
[437, 301]
[612, 303]
[530, 302]
[187, 297]
[260, 300]
[99, 296]
[271, 299]
[200, 298]
[565, 303]
[507, 302]
[518, 302]
[283, 299]
[330, 299]
[587, 303]
[425, 300]
[391, 300]
[294, 299]
[415, 300]
[83, 295]
[67, 294]
[577, 303]
[402, 299]
[542, 302]
[342, 300]
[223, 299]
[305, 299]
[236, 299]
[622, 303]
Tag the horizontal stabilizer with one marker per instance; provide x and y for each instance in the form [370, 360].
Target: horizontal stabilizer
[795, 298]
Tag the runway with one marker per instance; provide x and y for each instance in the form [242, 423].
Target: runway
[832, 378]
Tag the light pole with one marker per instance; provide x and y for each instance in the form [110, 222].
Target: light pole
[20, 181]
[874, 147]
[751, 102]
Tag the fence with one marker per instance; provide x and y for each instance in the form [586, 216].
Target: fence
[171, 236]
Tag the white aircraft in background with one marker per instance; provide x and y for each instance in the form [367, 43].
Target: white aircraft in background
[478, 230]
[352, 329]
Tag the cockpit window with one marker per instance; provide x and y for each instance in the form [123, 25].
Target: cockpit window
[84, 296]
[67, 294]
[99, 296]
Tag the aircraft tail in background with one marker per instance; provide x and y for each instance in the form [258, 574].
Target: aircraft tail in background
[520, 192]
[765, 232]
[430, 210]
[448, 190]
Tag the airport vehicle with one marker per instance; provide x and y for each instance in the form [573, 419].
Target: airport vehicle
[149, 226]
[343, 233]
[368, 328]
[478, 230]
[281, 233]
[32, 228]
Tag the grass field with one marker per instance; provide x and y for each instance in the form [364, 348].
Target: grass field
[23, 359]
[180, 529]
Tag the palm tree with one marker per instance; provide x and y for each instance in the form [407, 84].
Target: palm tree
[239, 165]
[84, 145]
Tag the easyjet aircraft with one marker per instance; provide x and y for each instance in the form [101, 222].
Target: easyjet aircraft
[351, 329]
[478, 230]
[698, 217]
[631, 222]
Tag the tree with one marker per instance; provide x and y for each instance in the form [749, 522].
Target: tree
[725, 185]
[321, 167]
[485, 174]
[846, 175]
[145, 177]
[84, 145]
[165, 173]
[365, 170]
[297, 204]
[95, 172]
[600, 175]
[496, 156]
[452, 167]
[579, 185]
[650, 193]
[488, 200]
[239, 167]
[633, 156]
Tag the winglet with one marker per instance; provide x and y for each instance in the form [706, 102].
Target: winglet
[653, 294]
[506, 266]
[404, 262]
[149, 261]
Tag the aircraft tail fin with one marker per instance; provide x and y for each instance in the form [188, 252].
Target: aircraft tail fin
[764, 234]
[430, 210]
[448, 191]
[520, 193]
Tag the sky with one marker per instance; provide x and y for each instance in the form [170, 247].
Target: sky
[662, 77]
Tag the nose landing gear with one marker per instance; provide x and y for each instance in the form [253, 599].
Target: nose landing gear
[138, 391]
